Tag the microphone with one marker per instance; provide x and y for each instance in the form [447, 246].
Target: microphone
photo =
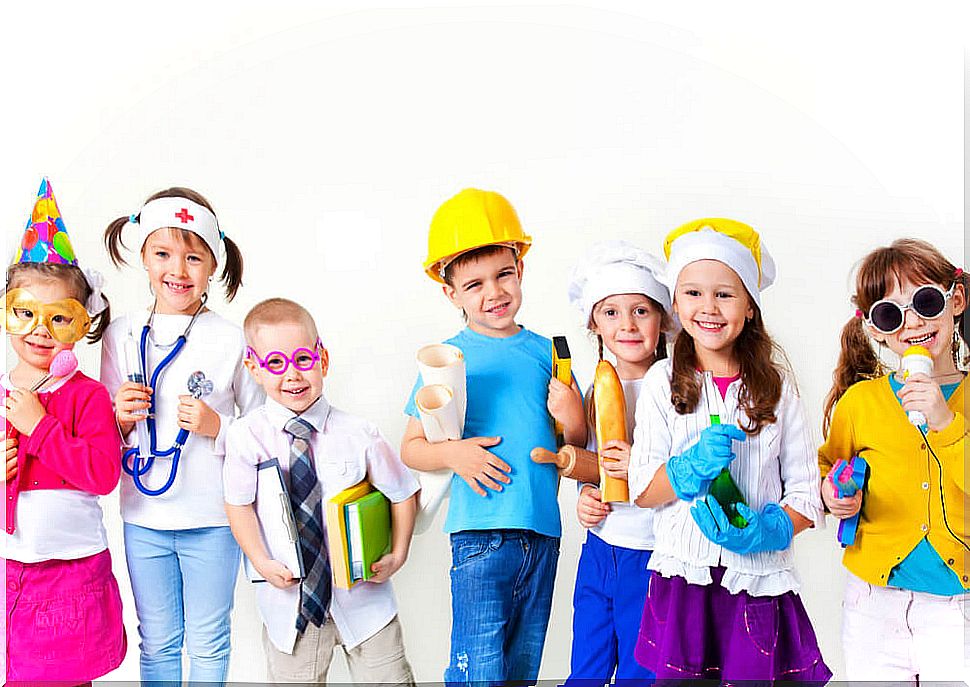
[916, 359]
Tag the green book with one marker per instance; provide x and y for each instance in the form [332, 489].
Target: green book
[368, 533]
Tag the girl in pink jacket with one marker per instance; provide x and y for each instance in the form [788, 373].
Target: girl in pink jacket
[63, 450]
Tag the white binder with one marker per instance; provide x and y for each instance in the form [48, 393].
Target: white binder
[276, 522]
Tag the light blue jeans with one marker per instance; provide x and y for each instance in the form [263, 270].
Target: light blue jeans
[501, 595]
[183, 583]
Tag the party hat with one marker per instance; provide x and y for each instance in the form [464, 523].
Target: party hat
[45, 236]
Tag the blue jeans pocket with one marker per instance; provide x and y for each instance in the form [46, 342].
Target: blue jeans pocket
[466, 547]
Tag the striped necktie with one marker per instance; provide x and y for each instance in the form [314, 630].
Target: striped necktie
[306, 497]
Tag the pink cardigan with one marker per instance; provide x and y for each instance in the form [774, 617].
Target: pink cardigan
[75, 446]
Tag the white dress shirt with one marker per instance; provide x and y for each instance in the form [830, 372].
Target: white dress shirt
[346, 449]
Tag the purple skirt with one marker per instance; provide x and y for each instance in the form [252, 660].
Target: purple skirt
[691, 632]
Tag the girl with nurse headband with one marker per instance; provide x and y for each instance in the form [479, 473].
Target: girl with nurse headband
[175, 370]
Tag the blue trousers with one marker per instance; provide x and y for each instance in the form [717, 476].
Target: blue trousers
[611, 587]
[183, 583]
[501, 595]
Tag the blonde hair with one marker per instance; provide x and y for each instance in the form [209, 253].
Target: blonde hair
[277, 311]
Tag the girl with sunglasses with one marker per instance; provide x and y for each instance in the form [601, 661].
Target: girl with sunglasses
[176, 372]
[905, 598]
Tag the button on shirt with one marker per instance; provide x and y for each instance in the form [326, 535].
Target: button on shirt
[346, 450]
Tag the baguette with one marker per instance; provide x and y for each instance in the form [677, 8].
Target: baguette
[610, 424]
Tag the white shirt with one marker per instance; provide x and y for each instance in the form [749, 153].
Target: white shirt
[627, 524]
[346, 449]
[61, 524]
[215, 347]
[777, 465]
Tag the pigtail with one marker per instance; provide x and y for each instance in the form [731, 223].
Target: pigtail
[857, 361]
[100, 322]
[232, 272]
[960, 324]
[113, 242]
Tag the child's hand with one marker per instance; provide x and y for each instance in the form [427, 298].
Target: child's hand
[619, 452]
[840, 508]
[471, 460]
[276, 573]
[129, 399]
[10, 444]
[385, 566]
[564, 404]
[921, 393]
[195, 416]
[589, 508]
[24, 411]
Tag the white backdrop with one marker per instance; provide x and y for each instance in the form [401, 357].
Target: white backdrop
[326, 135]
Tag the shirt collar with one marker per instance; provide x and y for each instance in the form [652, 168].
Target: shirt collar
[316, 415]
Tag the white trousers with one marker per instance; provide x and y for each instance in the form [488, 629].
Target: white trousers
[896, 635]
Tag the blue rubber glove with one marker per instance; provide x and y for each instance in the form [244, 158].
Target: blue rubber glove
[769, 530]
[691, 471]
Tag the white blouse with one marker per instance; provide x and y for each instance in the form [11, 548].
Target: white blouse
[776, 465]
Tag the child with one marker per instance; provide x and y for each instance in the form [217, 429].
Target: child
[183, 364]
[723, 601]
[328, 450]
[619, 291]
[905, 598]
[503, 517]
[63, 450]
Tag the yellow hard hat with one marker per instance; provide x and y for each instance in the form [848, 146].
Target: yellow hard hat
[470, 220]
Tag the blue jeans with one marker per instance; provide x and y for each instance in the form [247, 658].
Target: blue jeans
[611, 588]
[183, 583]
[501, 595]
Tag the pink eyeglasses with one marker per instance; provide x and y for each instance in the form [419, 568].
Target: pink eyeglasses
[277, 362]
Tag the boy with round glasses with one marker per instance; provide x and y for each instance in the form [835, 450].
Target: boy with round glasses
[321, 451]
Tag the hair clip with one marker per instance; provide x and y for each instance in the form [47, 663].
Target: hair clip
[133, 218]
[958, 273]
[222, 235]
[859, 313]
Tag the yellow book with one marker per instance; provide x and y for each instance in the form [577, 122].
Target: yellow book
[337, 532]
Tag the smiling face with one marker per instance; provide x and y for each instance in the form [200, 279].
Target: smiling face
[489, 289]
[295, 389]
[630, 325]
[178, 270]
[36, 349]
[712, 305]
[936, 335]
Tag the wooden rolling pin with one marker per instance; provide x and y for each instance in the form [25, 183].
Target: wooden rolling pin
[573, 462]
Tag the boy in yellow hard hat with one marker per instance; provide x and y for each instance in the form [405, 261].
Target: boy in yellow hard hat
[503, 517]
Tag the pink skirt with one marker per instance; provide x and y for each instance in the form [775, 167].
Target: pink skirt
[63, 620]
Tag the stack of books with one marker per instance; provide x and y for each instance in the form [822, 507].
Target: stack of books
[358, 533]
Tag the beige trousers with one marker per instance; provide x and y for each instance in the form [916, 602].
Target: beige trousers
[378, 660]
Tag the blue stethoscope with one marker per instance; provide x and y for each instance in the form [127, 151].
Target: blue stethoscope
[197, 386]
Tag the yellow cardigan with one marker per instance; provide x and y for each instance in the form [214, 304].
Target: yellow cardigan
[902, 498]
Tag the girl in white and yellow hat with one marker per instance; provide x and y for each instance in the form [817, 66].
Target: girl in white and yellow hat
[724, 455]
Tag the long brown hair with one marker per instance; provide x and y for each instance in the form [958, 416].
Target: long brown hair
[232, 272]
[762, 373]
[69, 275]
[904, 259]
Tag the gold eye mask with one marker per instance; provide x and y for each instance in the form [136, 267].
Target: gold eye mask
[66, 320]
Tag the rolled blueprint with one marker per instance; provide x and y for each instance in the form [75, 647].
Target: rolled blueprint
[439, 413]
[445, 364]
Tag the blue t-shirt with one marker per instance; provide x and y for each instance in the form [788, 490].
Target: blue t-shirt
[923, 570]
[507, 381]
